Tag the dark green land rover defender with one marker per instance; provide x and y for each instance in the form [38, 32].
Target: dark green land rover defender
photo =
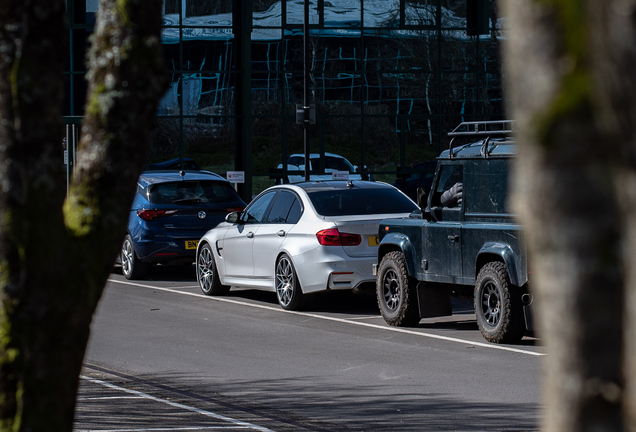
[465, 241]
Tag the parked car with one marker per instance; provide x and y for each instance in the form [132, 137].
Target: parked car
[299, 239]
[170, 213]
[333, 162]
[421, 178]
[173, 164]
[466, 241]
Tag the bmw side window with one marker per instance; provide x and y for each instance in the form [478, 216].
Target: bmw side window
[281, 207]
[449, 188]
[295, 212]
[256, 212]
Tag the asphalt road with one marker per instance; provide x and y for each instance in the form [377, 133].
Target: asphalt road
[163, 356]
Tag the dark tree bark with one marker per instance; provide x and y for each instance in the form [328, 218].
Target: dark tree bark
[56, 252]
[570, 68]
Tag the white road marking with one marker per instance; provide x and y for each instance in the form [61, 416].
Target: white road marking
[165, 429]
[109, 397]
[236, 424]
[340, 320]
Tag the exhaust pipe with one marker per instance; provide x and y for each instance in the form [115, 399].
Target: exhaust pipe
[526, 299]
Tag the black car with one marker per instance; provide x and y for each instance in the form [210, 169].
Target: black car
[465, 241]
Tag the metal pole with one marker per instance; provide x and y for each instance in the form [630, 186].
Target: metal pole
[306, 88]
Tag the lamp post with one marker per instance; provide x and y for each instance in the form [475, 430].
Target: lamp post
[306, 88]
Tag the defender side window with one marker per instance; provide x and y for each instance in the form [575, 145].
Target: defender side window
[449, 188]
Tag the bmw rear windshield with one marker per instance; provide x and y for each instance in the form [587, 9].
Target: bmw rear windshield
[353, 202]
[192, 192]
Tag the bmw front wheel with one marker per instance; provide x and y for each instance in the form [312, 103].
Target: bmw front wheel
[207, 274]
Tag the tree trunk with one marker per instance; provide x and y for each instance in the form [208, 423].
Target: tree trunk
[56, 255]
[570, 69]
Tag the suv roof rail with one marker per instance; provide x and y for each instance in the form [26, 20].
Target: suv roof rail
[484, 128]
[481, 129]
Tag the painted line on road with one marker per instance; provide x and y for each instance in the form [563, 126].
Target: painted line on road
[110, 397]
[340, 320]
[164, 429]
[235, 424]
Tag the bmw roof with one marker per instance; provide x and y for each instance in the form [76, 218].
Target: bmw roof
[313, 186]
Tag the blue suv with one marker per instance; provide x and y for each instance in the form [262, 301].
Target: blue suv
[170, 213]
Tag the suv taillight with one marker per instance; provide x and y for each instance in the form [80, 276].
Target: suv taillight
[333, 237]
[149, 215]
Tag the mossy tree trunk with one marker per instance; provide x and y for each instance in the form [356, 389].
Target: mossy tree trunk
[570, 68]
[56, 252]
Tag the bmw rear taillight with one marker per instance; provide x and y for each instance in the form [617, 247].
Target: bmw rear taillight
[149, 215]
[333, 237]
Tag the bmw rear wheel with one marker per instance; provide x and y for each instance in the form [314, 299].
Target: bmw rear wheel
[395, 291]
[207, 274]
[290, 295]
[131, 266]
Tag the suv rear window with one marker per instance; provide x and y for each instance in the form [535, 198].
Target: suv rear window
[198, 191]
[351, 202]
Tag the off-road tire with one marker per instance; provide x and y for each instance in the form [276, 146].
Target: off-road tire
[498, 305]
[396, 292]
[131, 266]
[207, 274]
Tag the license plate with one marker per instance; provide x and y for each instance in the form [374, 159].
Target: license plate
[373, 240]
[191, 244]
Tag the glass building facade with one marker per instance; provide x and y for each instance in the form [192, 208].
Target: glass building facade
[389, 79]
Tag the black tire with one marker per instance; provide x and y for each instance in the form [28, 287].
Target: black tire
[288, 290]
[498, 305]
[396, 292]
[207, 274]
[131, 266]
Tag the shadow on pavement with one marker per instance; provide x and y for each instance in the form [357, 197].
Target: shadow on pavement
[301, 403]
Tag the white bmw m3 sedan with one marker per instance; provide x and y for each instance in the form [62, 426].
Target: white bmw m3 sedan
[300, 238]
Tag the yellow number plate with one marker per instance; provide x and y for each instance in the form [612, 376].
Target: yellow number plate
[373, 240]
[191, 244]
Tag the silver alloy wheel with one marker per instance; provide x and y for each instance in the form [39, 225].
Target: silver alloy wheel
[205, 269]
[491, 303]
[391, 289]
[285, 281]
[127, 256]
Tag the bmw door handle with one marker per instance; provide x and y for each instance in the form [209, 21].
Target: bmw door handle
[280, 233]
[453, 238]
[250, 234]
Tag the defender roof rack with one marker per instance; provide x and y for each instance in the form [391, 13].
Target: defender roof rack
[478, 129]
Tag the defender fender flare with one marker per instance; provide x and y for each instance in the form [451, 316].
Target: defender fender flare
[398, 241]
[506, 254]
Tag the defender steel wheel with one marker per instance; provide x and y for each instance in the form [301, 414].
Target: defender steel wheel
[395, 292]
[288, 291]
[131, 266]
[391, 290]
[207, 275]
[491, 301]
[498, 305]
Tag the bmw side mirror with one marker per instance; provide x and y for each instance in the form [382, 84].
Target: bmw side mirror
[233, 217]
